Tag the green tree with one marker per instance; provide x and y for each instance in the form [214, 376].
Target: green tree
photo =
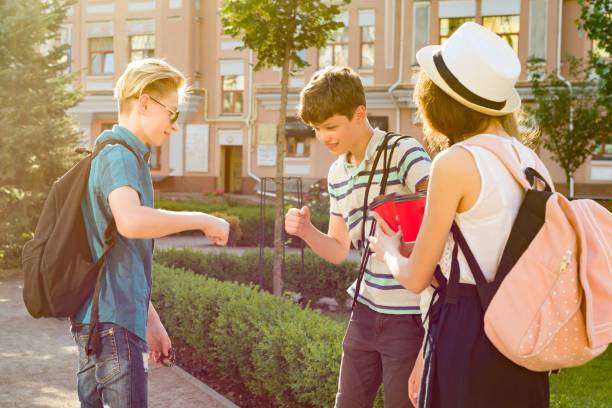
[567, 115]
[38, 136]
[277, 30]
[596, 20]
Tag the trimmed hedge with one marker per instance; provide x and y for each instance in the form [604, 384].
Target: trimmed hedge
[271, 345]
[320, 278]
[248, 216]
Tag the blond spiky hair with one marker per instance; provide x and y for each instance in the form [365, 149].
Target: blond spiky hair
[150, 75]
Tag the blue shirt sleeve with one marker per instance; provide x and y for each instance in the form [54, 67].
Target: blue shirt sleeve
[118, 167]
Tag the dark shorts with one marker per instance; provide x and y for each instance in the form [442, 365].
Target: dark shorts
[378, 349]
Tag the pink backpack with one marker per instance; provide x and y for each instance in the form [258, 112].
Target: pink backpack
[550, 305]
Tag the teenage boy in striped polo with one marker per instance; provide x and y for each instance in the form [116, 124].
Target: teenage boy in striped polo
[385, 331]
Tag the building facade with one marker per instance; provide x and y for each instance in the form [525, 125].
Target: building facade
[227, 128]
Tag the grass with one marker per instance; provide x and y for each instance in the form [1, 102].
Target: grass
[587, 386]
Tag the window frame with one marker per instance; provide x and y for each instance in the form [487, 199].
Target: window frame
[367, 43]
[603, 156]
[504, 35]
[445, 37]
[157, 152]
[103, 55]
[336, 43]
[144, 50]
[234, 94]
[299, 139]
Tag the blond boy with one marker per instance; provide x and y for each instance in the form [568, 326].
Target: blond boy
[120, 188]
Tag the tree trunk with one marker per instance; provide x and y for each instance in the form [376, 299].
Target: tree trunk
[569, 177]
[279, 216]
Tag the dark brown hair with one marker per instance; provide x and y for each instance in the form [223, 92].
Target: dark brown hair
[450, 121]
[331, 91]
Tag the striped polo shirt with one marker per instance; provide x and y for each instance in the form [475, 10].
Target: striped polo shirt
[347, 184]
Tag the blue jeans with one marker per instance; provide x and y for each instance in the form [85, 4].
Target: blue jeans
[117, 375]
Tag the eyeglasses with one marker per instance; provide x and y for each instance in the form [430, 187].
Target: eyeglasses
[173, 114]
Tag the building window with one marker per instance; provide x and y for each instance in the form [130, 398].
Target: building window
[449, 25]
[142, 46]
[101, 56]
[155, 158]
[603, 152]
[507, 27]
[336, 51]
[298, 146]
[367, 46]
[420, 28]
[367, 30]
[233, 93]
[538, 16]
[297, 135]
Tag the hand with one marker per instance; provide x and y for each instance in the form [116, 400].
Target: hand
[216, 229]
[160, 346]
[406, 249]
[297, 221]
[384, 240]
[414, 381]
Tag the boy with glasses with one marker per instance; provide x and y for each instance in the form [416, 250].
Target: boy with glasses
[120, 189]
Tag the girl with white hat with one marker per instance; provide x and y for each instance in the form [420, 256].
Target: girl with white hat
[465, 92]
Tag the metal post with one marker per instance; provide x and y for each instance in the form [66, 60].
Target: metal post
[262, 227]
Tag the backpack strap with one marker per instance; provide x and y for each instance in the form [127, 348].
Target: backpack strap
[110, 237]
[380, 150]
[100, 146]
[525, 179]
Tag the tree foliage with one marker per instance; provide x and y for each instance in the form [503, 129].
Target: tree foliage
[270, 27]
[38, 135]
[596, 20]
[277, 30]
[554, 104]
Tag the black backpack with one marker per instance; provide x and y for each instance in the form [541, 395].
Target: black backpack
[59, 272]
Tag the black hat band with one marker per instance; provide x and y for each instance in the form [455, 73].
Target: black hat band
[459, 88]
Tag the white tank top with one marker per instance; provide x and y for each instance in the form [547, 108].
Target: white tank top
[487, 224]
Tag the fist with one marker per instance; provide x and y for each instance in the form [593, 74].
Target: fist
[217, 230]
[297, 221]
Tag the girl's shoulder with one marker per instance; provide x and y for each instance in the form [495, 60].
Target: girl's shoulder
[456, 159]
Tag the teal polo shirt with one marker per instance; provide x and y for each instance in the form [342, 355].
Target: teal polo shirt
[126, 287]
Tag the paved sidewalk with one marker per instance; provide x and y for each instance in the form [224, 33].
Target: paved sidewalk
[38, 359]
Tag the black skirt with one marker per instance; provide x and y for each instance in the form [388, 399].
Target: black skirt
[463, 369]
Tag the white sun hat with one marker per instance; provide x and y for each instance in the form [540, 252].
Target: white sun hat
[475, 67]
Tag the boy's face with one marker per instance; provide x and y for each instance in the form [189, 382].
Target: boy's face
[338, 133]
[157, 115]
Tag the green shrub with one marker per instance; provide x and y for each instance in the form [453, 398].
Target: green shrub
[298, 357]
[320, 278]
[189, 304]
[293, 355]
[239, 328]
[269, 344]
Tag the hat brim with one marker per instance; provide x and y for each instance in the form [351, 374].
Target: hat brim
[425, 59]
